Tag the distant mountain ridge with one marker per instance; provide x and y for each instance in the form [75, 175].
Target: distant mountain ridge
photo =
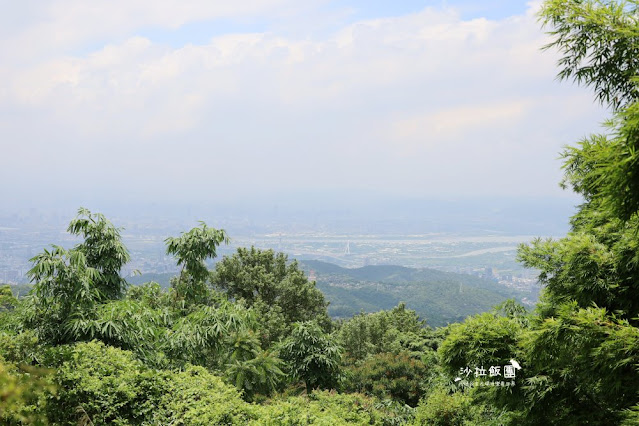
[384, 273]
[437, 296]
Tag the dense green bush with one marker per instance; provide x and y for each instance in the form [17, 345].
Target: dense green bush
[23, 394]
[386, 375]
[322, 408]
[197, 397]
[442, 408]
[107, 385]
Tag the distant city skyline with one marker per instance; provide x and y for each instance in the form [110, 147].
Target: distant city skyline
[183, 102]
[454, 235]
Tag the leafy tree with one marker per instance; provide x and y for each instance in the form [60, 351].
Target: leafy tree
[7, 300]
[483, 340]
[150, 294]
[313, 356]
[278, 290]
[8, 303]
[513, 310]
[192, 249]
[600, 46]
[70, 284]
[197, 397]
[328, 408]
[579, 350]
[599, 41]
[200, 338]
[104, 251]
[479, 343]
[397, 330]
[331, 408]
[250, 368]
[596, 263]
[126, 324]
[65, 287]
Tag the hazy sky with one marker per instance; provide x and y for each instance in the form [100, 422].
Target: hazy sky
[205, 99]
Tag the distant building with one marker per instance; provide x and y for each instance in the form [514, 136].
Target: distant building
[488, 273]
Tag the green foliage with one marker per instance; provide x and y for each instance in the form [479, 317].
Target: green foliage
[579, 350]
[23, 393]
[65, 288]
[605, 168]
[21, 348]
[7, 300]
[20, 290]
[77, 296]
[482, 339]
[597, 263]
[200, 337]
[600, 46]
[251, 369]
[313, 356]
[69, 284]
[511, 309]
[396, 376]
[126, 324]
[581, 359]
[196, 397]
[192, 249]
[396, 330]
[327, 409]
[481, 342]
[279, 291]
[8, 303]
[104, 251]
[443, 408]
[599, 43]
[150, 294]
[104, 385]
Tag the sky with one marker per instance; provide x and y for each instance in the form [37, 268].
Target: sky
[184, 101]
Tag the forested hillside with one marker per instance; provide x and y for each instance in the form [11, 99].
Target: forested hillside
[251, 342]
[438, 297]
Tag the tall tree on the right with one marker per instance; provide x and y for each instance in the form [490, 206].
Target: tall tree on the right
[582, 350]
[579, 351]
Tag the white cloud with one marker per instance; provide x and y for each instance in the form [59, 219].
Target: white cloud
[458, 126]
[410, 103]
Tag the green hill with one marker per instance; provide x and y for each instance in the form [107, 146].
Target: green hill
[439, 297]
